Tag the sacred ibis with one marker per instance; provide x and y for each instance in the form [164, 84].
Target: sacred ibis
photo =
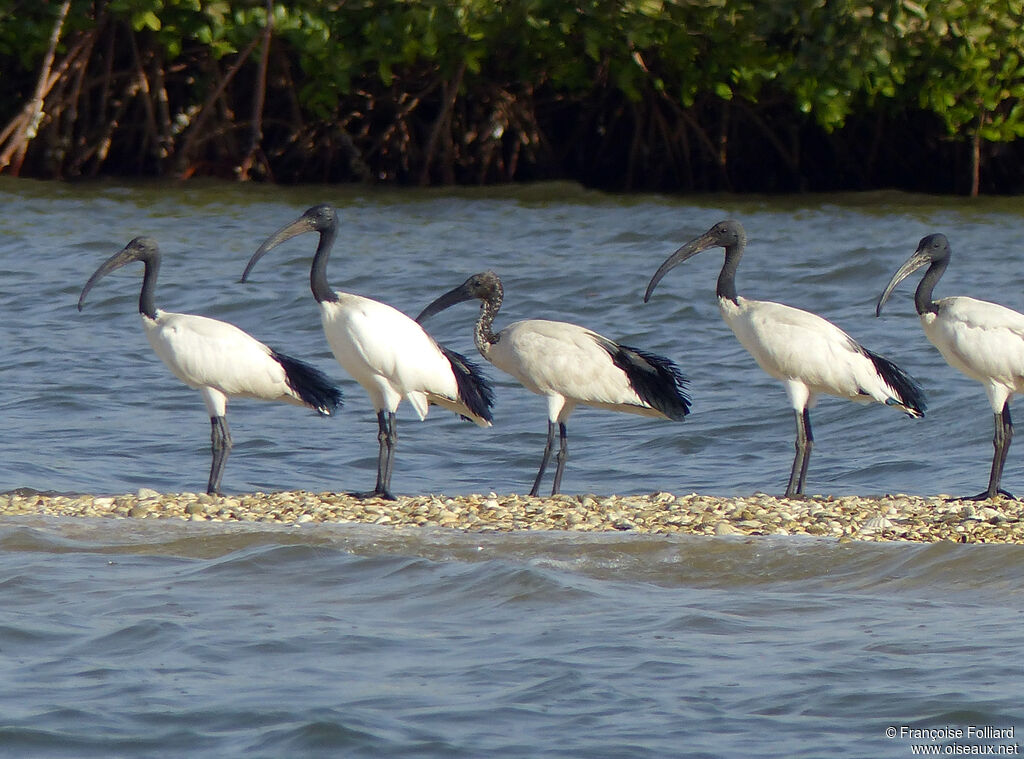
[216, 358]
[569, 365]
[983, 340]
[385, 351]
[807, 353]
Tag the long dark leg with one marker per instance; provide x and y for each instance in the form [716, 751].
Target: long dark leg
[220, 445]
[547, 455]
[392, 443]
[385, 457]
[804, 444]
[563, 454]
[1001, 443]
[382, 450]
[808, 445]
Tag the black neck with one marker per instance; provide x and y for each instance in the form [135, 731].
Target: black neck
[318, 273]
[483, 335]
[727, 277]
[147, 298]
[923, 295]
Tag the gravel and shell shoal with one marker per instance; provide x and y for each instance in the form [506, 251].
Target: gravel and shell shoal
[897, 517]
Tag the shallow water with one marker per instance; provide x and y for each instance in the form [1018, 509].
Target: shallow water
[89, 407]
[155, 639]
[138, 638]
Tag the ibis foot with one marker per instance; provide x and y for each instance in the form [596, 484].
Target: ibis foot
[378, 493]
[984, 496]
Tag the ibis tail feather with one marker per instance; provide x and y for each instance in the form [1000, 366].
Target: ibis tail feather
[656, 379]
[909, 397]
[474, 388]
[310, 384]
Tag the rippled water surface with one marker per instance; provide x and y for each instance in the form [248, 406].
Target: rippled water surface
[122, 638]
[90, 408]
[164, 639]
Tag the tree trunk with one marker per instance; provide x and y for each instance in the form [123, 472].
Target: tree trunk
[976, 157]
[259, 98]
[13, 154]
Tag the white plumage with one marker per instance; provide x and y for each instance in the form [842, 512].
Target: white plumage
[385, 351]
[983, 340]
[392, 357]
[217, 358]
[568, 365]
[808, 354]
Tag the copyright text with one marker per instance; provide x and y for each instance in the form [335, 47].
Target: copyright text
[957, 741]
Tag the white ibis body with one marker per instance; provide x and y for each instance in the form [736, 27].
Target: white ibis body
[983, 340]
[810, 355]
[217, 358]
[385, 351]
[569, 365]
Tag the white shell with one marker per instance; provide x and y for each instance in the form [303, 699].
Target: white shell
[875, 524]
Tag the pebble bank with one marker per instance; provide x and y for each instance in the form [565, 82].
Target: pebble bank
[896, 517]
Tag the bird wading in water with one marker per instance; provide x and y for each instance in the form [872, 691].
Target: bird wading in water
[386, 352]
[983, 340]
[569, 365]
[810, 355]
[216, 358]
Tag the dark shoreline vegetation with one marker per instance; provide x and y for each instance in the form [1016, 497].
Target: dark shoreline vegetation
[715, 95]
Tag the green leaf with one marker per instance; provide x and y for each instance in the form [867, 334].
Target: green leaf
[146, 20]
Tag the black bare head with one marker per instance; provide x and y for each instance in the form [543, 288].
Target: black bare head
[725, 234]
[143, 249]
[319, 218]
[934, 247]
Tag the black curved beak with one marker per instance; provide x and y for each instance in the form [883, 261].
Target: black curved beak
[295, 228]
[456, 295]
[126, 255]
[690, 249]
[916, 261]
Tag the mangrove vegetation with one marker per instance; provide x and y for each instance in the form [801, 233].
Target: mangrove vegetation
[684, 95]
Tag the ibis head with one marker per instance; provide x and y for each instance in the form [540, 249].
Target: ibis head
[142, 249]
[485, 286]
[728, 234]
[320, 218]
[933, 249]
